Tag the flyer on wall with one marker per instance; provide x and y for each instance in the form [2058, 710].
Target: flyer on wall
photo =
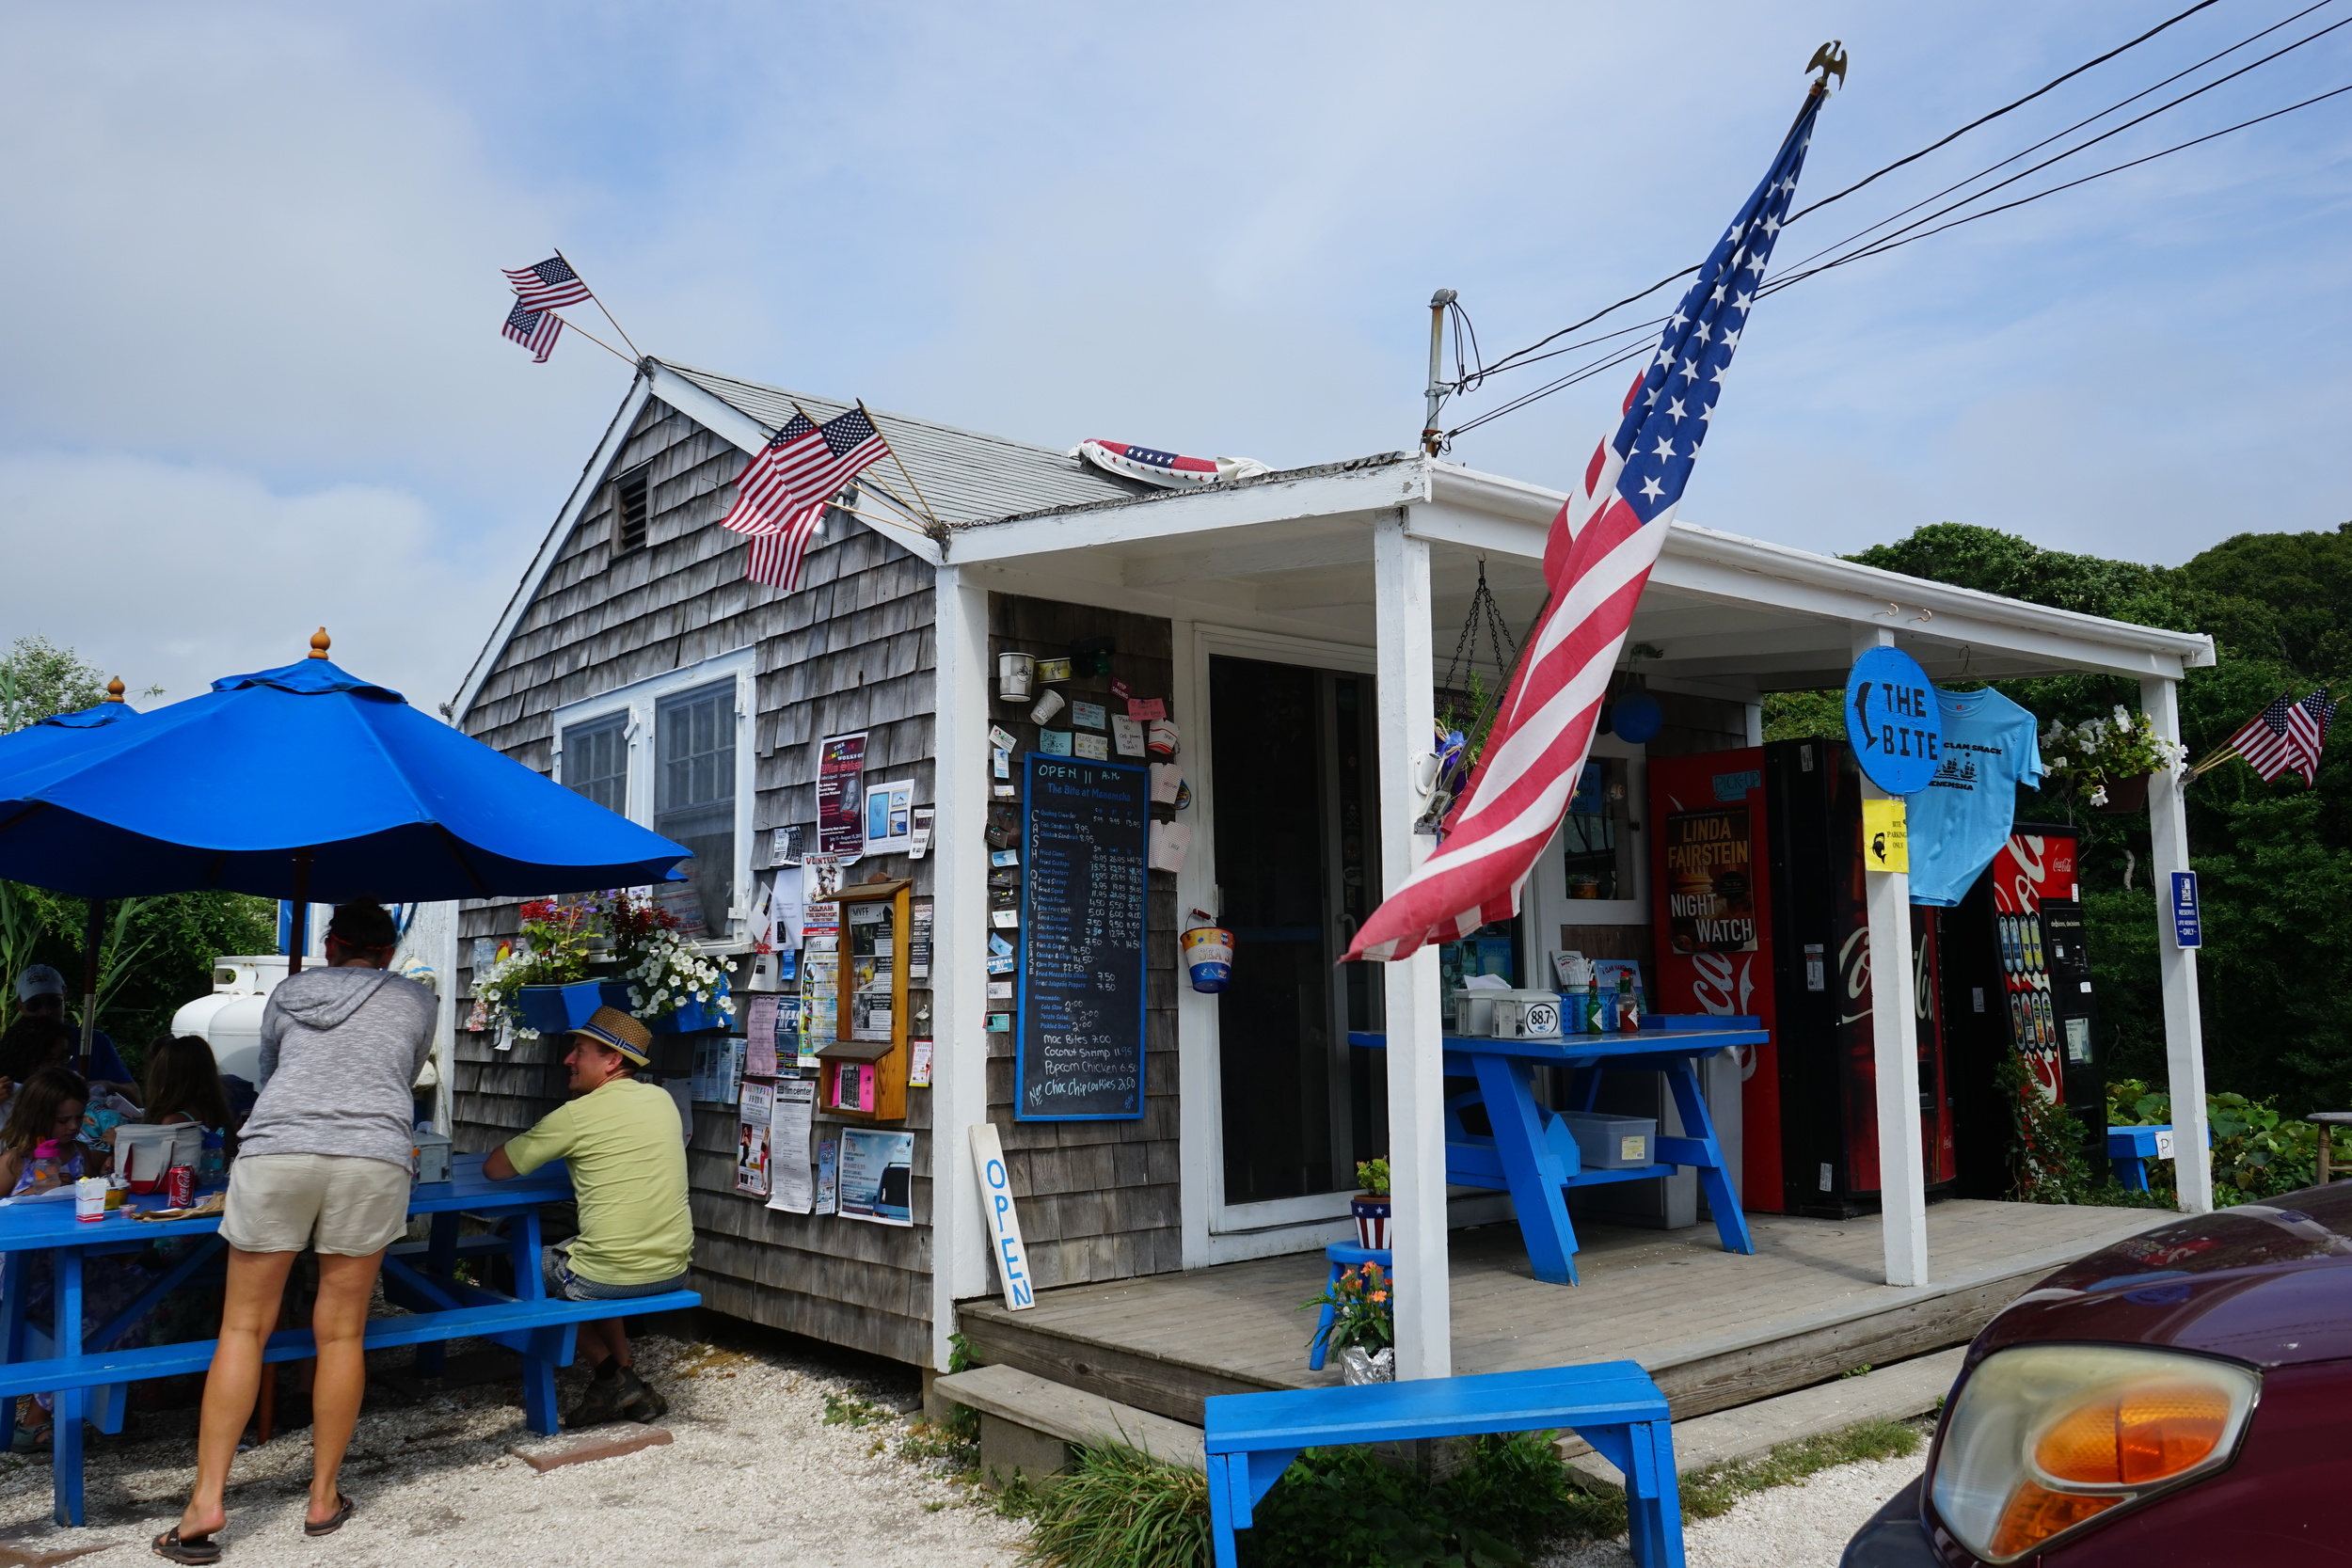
[841, 797]
[827, 1153]
[877, 1176]
[751, 1140]
[792, 1185]
[890, 817]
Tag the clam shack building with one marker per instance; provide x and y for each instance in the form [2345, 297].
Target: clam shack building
[1222, 722]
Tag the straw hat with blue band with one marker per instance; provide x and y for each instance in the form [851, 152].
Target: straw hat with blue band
[610, 1026]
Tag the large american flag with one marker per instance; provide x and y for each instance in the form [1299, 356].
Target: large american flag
[536, 331]
[2286, 735]
[796, 476]
[1603, 543]
[548, 285]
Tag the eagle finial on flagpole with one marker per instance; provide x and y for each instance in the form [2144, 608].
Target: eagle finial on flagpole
[1830, 60]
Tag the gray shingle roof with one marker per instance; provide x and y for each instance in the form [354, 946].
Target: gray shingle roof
[966, 476]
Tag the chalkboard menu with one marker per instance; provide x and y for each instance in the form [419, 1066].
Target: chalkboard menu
[1079, 1030]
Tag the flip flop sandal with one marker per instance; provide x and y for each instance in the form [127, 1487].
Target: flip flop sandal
[334, 1521]
[192, 1548]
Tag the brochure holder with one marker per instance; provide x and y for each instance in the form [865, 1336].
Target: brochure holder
[864, 1080]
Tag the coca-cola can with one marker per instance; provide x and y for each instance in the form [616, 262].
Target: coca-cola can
[179, 1186]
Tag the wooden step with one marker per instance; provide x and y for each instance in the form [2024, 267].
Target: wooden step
[1027, 1423]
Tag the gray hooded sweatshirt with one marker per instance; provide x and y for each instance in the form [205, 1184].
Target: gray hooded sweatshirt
[340, 1052]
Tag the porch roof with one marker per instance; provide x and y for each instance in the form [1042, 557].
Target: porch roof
[1726, 611]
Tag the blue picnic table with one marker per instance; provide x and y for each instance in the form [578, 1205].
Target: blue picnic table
[420, 1277]
[1530, 1153]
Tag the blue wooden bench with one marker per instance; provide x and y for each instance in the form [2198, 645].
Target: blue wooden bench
[1250, 1439]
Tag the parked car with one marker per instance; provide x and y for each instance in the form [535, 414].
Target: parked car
[2181, 1398]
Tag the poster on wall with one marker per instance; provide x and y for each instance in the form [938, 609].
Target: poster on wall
[1710, 881]
[877, 1176]
[792, 1177]
[841, 797]
[751, 1139]
[890, 817]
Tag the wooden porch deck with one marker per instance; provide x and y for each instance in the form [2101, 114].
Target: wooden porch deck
[1716, 1329]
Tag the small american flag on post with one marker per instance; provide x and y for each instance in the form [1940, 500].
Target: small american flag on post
[2286, 735]
[536, 331]
[548, 285]
[1602, 544]
[768, 489]
[824, 459]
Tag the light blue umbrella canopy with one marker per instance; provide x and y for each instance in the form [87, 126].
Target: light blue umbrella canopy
[236, 788]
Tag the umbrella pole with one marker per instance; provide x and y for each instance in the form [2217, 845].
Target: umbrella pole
[298, 925]
[93, 935]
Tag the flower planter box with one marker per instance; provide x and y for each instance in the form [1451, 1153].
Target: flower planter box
[1372, 1222]
[557, 1009]
[617, 995]
[2126, 797]
[693, 1017]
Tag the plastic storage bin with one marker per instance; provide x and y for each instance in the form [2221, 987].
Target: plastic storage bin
[1613, 1143]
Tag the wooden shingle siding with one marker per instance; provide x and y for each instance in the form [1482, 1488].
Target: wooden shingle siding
[853, 649]
[1098, 1199]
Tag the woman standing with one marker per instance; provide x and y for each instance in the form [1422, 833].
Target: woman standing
[325, 1163]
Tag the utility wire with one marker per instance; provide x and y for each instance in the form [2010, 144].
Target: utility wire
[1890, 243]
[1513, 359]
[2081, 147]
[2061, 135]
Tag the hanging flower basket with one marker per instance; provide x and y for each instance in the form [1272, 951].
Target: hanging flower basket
[2125, 797]
[557, 1009]
[694, 1015]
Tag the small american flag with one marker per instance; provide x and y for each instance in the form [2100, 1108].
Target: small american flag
[2286, 735]
[536, 331]
[768, 490]
[826, 458]
[1599, 555]
[550, 285]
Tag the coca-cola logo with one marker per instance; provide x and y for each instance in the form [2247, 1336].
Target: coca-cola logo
[1853, 972]
[1721, 982]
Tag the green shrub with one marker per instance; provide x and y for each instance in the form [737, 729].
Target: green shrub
[2257, 1152]
[1121, 1508]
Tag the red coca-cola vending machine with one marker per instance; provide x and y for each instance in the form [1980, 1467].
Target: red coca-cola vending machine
[2018, 979]
[1761, 909]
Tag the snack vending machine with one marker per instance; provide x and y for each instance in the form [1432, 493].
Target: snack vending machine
[1761, 909]
[2019, 979]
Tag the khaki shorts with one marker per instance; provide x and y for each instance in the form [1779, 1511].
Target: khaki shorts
[342, 1204]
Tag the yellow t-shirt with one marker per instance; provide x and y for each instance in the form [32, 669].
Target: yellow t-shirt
[626, 1154]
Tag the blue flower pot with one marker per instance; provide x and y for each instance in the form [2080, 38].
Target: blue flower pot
[617, 995]
[557, 1009]
[693, 1017]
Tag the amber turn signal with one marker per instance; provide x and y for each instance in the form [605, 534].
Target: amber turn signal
[2145, 1433]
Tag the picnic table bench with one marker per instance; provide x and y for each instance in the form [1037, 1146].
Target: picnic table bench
[38, 1358]
[1530, 1153]
[1250, 1439]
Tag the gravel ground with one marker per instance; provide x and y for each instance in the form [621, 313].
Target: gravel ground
[1805, 1525]
[753, 1476]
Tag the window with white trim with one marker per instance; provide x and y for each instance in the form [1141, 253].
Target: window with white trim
[672, 753]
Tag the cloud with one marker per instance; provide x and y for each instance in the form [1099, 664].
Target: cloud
[173, 575]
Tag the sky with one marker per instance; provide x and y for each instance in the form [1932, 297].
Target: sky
[249, 285]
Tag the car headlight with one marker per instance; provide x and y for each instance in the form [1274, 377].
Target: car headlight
[2045, 1438]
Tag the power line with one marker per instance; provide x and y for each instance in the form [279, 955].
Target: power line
[2004, 108]
[1512, 360]
[2045, 141]
[1893, 243]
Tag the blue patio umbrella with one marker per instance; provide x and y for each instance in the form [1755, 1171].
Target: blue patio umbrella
[304, 782]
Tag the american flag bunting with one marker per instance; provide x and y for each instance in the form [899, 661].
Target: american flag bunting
[1603, 543]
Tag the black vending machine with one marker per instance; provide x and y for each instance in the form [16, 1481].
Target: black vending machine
[2017, 977]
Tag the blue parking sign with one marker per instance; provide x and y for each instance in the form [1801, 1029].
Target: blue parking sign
[2188, 922]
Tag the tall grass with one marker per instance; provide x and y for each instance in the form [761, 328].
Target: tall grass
[1122, 1508]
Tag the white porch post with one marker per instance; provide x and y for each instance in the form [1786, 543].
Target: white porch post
[958, 1094]
[1895, 1048]
[1424, 1298]
[2176, 966]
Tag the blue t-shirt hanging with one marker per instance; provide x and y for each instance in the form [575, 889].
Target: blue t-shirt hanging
[1960, 820]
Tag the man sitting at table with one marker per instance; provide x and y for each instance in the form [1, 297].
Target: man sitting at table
[625, 1148]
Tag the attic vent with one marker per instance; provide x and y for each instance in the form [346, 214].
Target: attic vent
[628, 530]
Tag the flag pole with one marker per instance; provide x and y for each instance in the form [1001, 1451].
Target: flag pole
[593, 338]
[600, 304]
[903, 468]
